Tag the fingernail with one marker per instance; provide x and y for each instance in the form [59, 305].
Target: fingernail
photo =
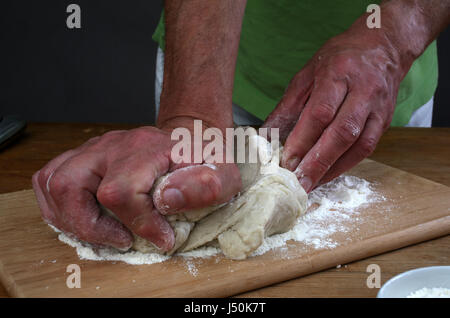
[292, 163]
[173, 198]
[306, 183]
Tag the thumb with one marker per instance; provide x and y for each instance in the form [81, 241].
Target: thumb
[196, 187]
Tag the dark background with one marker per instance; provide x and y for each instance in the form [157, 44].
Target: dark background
[103, 72]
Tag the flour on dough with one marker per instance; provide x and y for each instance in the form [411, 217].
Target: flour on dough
[270, 202]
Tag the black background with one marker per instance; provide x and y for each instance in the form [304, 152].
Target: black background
[103, 72]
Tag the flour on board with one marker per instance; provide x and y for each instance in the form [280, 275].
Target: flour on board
[332, 206]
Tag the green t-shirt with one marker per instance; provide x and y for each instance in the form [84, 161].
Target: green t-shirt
[279, 36]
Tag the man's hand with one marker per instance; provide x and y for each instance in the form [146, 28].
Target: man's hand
[350, 88]
[118, 170]
[337, 107]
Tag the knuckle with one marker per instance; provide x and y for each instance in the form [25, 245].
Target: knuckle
[347, 131]
[106, 138]
[141, 133]
[323, 164]
[212, 184]
[344, 62]
[139, 136]
[59, 185]
[319, 166]
[322, 113]
[367, 146]
[111, 195]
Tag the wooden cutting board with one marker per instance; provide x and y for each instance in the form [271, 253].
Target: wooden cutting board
[33, 262]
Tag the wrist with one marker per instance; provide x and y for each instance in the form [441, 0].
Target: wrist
[186, 120]
[398, 35]
[182, 106]
[406, 28]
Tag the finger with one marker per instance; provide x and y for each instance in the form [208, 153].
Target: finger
[155, 228]
[335, 140]
[40, 181]
[41, 178]
[125, 190]
[361, 149]
[197, 187]
[46, 213]
[326, 98]
[44, 175]
[288, 110]
[72, 188]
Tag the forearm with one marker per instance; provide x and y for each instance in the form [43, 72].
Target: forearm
[412, 25]
[202, 39]
[407, 28]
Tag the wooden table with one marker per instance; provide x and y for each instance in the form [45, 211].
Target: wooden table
[424, 152]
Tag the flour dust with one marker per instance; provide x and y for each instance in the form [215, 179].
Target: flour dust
[332, 208]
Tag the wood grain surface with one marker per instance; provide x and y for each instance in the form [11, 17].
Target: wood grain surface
[425, 152]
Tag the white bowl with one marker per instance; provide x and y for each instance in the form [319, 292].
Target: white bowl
[408, 282]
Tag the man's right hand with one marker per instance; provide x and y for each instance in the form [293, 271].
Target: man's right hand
[118, 170]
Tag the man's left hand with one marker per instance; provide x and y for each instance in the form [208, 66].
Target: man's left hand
[336, 108]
